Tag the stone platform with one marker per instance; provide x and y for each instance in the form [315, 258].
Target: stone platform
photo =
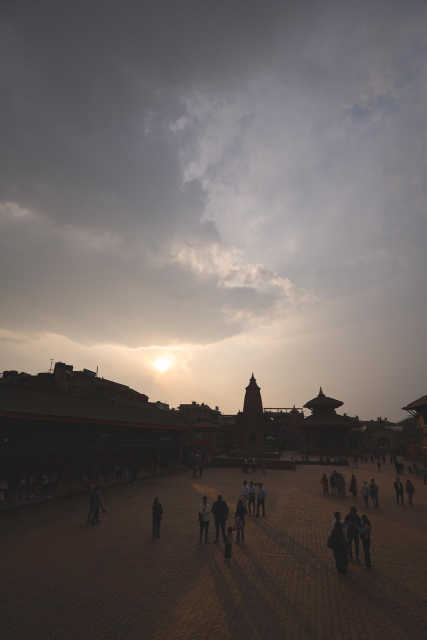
[258, 455]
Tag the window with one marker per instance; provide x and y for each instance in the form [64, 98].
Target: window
[199, 434]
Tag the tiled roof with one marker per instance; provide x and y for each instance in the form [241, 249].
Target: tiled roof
[22, 402]
[329, 420]
[421, 402]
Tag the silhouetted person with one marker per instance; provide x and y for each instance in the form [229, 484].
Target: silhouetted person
[352, 533]
[220, 513]
[157, 517]
[204, 512]
[398, 487]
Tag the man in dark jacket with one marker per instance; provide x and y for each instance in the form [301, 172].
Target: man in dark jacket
[220, 512]
[398, 487]
[353, 533]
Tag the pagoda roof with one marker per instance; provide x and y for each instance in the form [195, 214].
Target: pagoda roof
[329, 420]
[421, 402]
[322, 401]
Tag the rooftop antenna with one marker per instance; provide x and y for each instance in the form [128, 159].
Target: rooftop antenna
[52, 360]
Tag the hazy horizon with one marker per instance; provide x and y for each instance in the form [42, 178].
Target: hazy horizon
[190, 192]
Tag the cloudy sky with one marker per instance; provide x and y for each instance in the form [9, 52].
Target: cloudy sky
[194, 190]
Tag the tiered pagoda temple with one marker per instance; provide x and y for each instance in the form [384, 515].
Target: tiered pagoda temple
[327, 431]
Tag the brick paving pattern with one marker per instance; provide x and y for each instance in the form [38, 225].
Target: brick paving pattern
[62, 578]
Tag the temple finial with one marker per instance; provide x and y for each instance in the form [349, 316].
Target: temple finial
[321, 392]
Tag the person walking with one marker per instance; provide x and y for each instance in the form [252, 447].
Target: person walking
[195, 468]
[356, 462]
[352, 533]
[239, 522]
[204, 513]
[229, 539]
[200, 467]
[410, 490]
[264, 465]
[220, 513]
[341, 480]
[353, 485]
[252, 494]
[333, 483]
[324, 481]
[398, 487]
[365, 493]
[365, 535]
[373, 492]
[244, 492]
[23, 487]
[339, 547]
[424, 474]
[96, 504]
[254, 465]
[379, 465]
[157, 517]
[261, 500]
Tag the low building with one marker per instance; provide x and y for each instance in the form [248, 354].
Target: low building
[72, 424]
[206, 425]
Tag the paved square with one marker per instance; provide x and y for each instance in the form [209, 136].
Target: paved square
[62, 578]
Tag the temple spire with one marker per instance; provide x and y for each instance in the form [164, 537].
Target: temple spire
[253, 401]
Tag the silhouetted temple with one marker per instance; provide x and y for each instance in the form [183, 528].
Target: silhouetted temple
[326, 430]
[252, 424]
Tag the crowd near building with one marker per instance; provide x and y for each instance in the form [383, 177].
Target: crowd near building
[72, 423]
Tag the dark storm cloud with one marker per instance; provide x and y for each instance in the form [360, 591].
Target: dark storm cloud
[132, 131]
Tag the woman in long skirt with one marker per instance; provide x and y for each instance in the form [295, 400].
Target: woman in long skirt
[410, 490]
[325, 483]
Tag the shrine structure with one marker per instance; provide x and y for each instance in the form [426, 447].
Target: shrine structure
[326, 431]
[252, 425]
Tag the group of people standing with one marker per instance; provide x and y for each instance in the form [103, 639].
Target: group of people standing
[337, 484]
[245, 468]
[220, 511]
[344, 533]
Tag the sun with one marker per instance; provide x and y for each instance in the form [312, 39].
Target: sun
[162, 364]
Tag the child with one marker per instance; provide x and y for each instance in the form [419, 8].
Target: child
[228, 544]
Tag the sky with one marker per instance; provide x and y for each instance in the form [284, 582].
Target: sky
[194, 191]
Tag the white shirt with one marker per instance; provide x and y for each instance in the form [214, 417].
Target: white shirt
[364, 490]
[252, 491]
[244, 491]
[204, 511]
[253, 461]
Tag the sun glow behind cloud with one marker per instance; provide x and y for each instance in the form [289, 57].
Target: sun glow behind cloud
[162, 364]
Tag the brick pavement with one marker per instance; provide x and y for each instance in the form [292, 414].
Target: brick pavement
[64, 579]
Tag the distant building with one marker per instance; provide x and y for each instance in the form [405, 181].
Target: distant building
[206, 424]
[418, 409]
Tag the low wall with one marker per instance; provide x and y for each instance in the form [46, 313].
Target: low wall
[271, 464]
[268, 455]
